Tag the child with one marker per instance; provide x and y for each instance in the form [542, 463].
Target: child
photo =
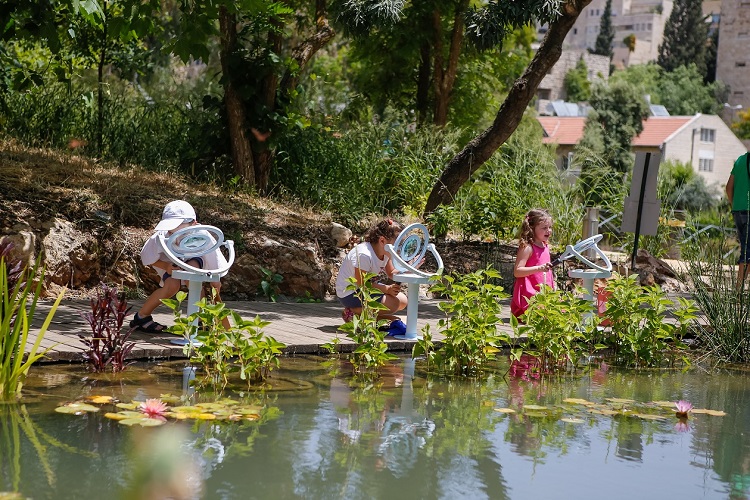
[532, 267]
[176, 215]
[370, 257]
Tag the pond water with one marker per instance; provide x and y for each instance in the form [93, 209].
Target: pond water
[326, 436]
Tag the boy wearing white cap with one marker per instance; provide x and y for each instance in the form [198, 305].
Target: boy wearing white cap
[176, 215]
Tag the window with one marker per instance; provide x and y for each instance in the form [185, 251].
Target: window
[543, 93]
[743, 34]
[738, 64]
[575, 32]
[705, 165]
[708, 135]
[649, 26]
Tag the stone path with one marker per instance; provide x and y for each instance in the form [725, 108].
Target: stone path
[303, 327]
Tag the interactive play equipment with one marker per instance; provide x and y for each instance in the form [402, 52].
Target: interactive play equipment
[587, 275]
[407, 253]
[188, 243]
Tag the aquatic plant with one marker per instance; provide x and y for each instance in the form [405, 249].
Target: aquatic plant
[556, 328]
[472, 312]
[640, 334]
[108, 345]
[365, 329]
[219, 351]
[683, 408]
[154, 408]
[17, 306]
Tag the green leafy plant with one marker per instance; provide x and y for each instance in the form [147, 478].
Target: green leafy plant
[364, 329]
[269, 284]
[219, 351]
[108, 345]
[557, 326]
[640, 334]
[17, 307]
[472, 313]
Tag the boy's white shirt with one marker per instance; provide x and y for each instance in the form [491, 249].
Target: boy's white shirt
[152, 253]
[363, 257]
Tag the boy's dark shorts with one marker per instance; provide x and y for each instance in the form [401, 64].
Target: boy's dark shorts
[741, 218]
[198, 263]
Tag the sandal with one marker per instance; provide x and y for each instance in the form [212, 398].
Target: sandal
[147, 324]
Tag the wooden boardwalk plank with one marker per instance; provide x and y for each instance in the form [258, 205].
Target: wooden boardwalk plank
[303, 327]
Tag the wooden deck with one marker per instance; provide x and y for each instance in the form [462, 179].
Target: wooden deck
[303, 327]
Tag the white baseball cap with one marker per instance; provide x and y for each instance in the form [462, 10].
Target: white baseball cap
[175, 213]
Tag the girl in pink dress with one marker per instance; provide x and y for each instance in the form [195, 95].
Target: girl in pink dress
[532, 268]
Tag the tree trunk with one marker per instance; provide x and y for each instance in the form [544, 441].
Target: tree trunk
[479, 149]
[423, 84]
[445, 78]
[242, 154]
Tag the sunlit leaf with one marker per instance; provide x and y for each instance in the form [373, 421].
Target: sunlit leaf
[130, 421]
[505, 410]
[100, 400]
[76, 408]
[151, 422]
[668, 404]
[621, 401]
[577, 401]
[115, 416]
[127, 406]
[535, 407]
[714, 413]
[205, 416]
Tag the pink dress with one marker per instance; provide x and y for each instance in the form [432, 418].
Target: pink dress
[528, 286]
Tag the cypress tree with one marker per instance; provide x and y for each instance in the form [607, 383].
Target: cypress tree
[685, 36]
[603, 45]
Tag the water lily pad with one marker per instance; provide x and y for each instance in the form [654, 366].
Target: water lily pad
[572, 420]
[76, 408]
[668, 404]
[536, 414]
[505, 410]
[714, 413]
[151, 422]
[127, 406]
[535, 408]
[115, 416]
[170, 399]
[130, 421]
[577, 401]
[620, 400]
[210, 406]
[648, 416]
[100, 400]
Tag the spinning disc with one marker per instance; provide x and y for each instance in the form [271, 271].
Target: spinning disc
[196, 241]
[410, 248]
[580, 247]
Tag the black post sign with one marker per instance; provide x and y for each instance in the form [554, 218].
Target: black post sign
[641, 212]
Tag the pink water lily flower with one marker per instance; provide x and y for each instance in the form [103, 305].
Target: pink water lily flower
[683, 407]
[154, 408]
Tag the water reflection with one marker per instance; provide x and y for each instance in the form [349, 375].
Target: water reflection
[404, 435]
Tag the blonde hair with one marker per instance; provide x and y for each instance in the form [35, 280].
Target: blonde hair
[533, 218]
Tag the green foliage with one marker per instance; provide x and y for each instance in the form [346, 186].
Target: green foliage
[640, 334]
[603, 44]
[577, 84]
[17, 306]
[219, 351]
[370, 168]
[630, 41]
[269, 284]
[682, 189]
[619, 109]
[683, 92]
[685, 36]
[472, 312]
[364, 330]
[724, 302]
[742, 126]
[556, 332]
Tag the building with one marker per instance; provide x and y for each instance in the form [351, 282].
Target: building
[644, 19]
[733, 60]
[703, 141]
[552, 86]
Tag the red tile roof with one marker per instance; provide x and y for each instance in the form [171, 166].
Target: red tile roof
[568, 130]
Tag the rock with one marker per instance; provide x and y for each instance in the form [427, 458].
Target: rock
[70, 256]
[340, 234]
